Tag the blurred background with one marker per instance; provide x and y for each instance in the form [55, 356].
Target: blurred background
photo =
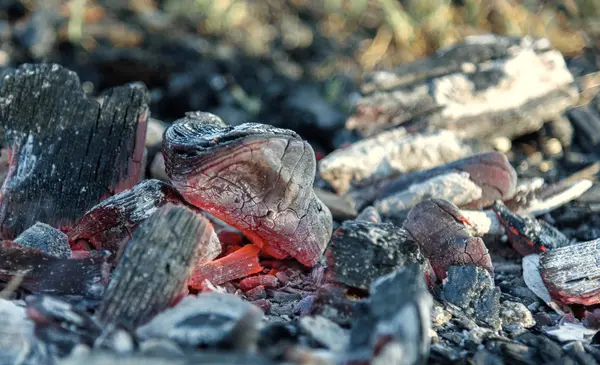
[296, 63]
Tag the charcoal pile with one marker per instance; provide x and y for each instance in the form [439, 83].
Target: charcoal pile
[453, 217]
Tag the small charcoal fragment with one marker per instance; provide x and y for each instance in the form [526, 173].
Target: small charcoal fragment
[440, 229]
[238, 264]
[266, 281]
[331, 303]
[60, 324]
[515, 315]
[68, 152]
[110, 224]
[360, 252]
[208, 320]
[43, 273]
[255, 177]
[528, 235]
[572, 273]
[325, 333]
[472, 289]
[155, 266]
[586, 120]
[489, 171]
[393, 324]
[46, 239]
[389, 154]
[18, 343]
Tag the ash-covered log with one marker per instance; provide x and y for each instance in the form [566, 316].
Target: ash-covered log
[42, 273]
[392, 326]
[388, 155]
[210, 320]
[485, 87]
[152, 273]
[440, 229]
[46, 239]
[572, 273]
[528, 235]
[110, 224]
[67, 152]
[255, 177]
[361, 252]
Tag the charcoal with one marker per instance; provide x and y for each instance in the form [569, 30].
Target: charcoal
[586, 122]
[331, 303]
[60, 324]
[472, 289]
[42, 273]
[489, 171]
[236, 265]
[387, 155]
[572, 273]
[484, 96]
[266, 281]
[155, 266]
[394, 322]
[515, 315]
[209, 320]
[68, 152]
[324, 332]
[46, 239]
[279, 212]
[18, 344]
[361, 252]
[109, 224]
[276, 338]
[441, 231]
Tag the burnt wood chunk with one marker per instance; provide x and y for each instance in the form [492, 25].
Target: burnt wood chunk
[67, 152]
[528, 235]
[256, 177]
[572, 273]
[440, 229]
[361, 252]
[484, 87]
[155, 266]
[47, 239]
[111, 223]
[45, 274]
[392, 325]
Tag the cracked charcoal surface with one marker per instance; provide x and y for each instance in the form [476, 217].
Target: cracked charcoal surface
[437, 227]
[472, 289]
[157, 261]
[43, 273]
[255, 177]
[109, 224]
[47, 239]
[395, 318]
[68, 152]
[361, 252]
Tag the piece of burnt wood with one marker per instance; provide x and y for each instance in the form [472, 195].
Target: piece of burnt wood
[46, 274]
[586, 121]
[158, 260]
[110, 224]
[238, 264]
[46, 239]
[392, 326]
[485, 87]
[528, 235]
[440, 229]
[472, 289]
[67, 152]
[572, 273]
[361, 252]
[490, 171]
[255, 177]
[61, 325]
[212, 320]
[387, 155]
